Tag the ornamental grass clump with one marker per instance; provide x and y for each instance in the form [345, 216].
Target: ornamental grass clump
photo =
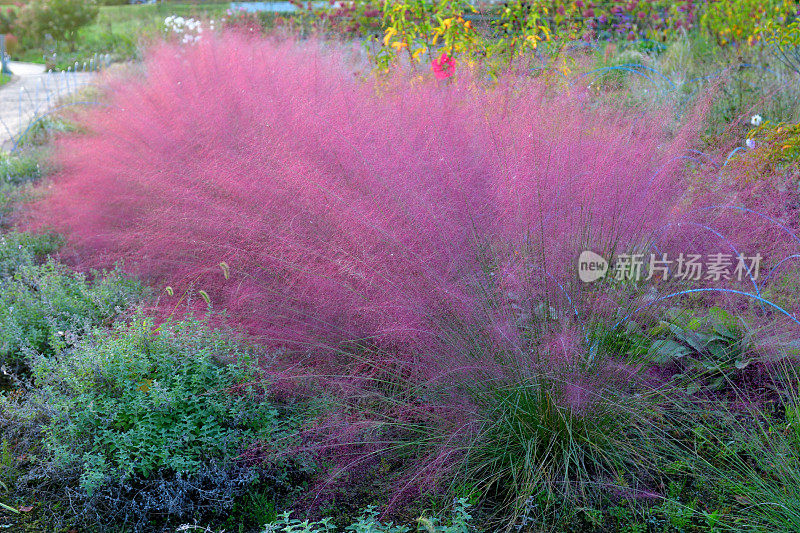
[417, 240]
[348, 209]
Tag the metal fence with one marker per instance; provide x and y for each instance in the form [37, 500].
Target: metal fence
[31, 98]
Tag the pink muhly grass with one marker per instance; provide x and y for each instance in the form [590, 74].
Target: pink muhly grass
[344, 214]
[412, 237]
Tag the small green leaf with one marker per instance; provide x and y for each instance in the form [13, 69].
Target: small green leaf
[666, 351]
[717, 383]
[693, 388]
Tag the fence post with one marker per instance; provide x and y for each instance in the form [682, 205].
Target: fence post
[3, 58]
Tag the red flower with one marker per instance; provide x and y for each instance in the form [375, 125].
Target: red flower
[444, 67]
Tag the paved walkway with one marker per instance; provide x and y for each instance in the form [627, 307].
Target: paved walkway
[30, 93]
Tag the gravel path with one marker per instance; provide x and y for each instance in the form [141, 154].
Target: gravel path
[30, 94]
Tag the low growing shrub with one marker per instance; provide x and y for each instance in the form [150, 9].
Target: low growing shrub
[148, 423]
[45, 308]
[19, 250]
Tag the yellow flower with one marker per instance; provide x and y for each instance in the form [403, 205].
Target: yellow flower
[399, 45]
[418, 52]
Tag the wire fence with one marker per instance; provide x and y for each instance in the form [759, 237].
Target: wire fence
[24, 101]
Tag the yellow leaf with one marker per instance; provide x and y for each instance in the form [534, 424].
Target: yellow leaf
[390, 32]
[144, 386]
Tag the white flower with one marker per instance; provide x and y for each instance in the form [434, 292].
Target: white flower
[751, 143]
[756, 120]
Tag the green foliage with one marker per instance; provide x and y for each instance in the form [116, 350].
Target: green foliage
[44, 130]
[549, 438]
[61, 19]
[753, 459]
[8, 18]
[23, 249]
[740, 21]
[709, 351]
[520, 27]
[415, 27]
[141, 399]
[784, 42]
[19, 170]
[16, 173]
[425, 28]
[778, 145]
[45, 308]
[369, 522]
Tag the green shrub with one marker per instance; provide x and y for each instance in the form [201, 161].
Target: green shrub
[708, 352]
[23, 249]
[46, 308]
[18, 170]
[146, 422]
[8, 17]
[61, 19]
[142, 398]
